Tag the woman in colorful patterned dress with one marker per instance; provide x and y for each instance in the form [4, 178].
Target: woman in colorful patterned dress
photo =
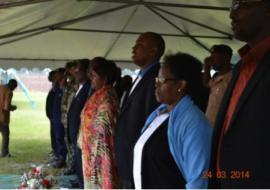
[98, 121]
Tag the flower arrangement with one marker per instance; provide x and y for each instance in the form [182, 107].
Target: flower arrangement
[37, 178]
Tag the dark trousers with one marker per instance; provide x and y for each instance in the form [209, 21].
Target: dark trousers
[53, 143]
[125, 184]
[70, 152]
[73, 131]
[61, 149]
[4, 129]
[78, 166]
[71, 156]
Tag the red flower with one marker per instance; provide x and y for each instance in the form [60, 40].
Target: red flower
[45, 183]
[22, 186]
[34, 170]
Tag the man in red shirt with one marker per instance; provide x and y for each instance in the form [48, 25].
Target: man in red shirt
[240, 149]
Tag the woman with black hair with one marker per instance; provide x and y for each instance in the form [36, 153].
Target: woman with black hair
[174, 147]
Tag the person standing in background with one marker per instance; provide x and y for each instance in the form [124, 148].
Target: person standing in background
[49, 110]
[220, 61]
[74, 112]
[59, 131]
[69, 90]
[6, 94]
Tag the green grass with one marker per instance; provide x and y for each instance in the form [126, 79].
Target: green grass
[29, 135]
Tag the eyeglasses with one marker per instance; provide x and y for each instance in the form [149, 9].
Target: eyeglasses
[238, 3]
[163, 80]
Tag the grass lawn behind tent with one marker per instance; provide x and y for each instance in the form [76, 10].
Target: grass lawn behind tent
[29, 134]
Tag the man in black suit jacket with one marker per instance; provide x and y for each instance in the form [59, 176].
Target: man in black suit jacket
[240, 146]
[49, 108]
[74, 114]
[139, 102]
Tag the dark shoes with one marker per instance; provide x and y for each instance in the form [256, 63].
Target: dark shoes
[52, 159]
[59, 164]
[5, 155]
[74, 184]
[69, 171]
[51, 153]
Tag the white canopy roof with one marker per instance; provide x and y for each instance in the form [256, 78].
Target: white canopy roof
[40, 33]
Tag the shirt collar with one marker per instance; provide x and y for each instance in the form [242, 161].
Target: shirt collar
[257, 52]
[180, 107]
[145, 70]
[160, 110]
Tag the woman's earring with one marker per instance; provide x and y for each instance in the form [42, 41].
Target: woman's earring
[179, 90]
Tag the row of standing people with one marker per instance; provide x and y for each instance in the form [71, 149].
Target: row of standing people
[114, 149]
[162, 138]
[71, 89]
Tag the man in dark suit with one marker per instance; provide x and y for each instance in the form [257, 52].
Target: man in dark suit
[138, 103]
[240, 146]
[49, 109]
[59, 131]
[74, 114]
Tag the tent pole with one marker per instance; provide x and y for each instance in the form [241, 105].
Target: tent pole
[24, 37]
[178, 28]
[119, 34]
[138, 33]
[21, 3]
[68, 22]
[194, 22]
[44, 59]
[151, 3]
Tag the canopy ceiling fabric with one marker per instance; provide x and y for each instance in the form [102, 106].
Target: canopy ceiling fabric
[73, 29]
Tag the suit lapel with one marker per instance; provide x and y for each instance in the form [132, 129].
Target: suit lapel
[84, 89]
[78, 96]
[129, 98]
[258, 74]
[128, 92]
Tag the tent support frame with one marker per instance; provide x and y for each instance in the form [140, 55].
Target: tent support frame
[194, 22]
[40, 30]
[178, 28]
[21, 3]
[152, 3]
[138, 33]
